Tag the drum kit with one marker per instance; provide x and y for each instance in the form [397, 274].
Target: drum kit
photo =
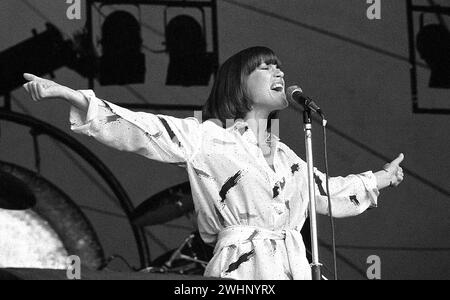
[192, 256]
[40, 225]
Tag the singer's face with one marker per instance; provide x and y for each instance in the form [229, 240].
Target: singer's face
[265, 87]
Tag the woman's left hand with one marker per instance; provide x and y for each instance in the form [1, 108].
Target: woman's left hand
[394, 171]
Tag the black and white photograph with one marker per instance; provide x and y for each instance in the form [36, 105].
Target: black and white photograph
[224, 147]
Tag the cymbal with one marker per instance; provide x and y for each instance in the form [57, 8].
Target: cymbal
[164, 206]
[14, 193]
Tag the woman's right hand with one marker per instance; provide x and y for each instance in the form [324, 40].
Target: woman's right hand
[43, 89]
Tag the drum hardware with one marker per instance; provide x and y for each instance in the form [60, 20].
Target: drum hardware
[177, 254]
[14, 193]
[164, 206]
[192, 256]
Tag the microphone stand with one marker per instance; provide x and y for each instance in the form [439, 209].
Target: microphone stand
[315, 264]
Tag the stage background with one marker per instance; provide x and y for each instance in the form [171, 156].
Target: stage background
[357, 69]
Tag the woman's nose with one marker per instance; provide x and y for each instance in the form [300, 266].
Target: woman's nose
[279, 73]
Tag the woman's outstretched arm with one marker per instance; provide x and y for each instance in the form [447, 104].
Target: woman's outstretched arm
[158, 137]
[353, 194]
[43, 89]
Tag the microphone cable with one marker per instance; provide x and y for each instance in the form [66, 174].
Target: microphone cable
[330, 209]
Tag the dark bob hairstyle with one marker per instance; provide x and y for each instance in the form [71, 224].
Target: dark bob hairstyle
[228, 99]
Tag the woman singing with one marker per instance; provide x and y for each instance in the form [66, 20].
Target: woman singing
[249, 189]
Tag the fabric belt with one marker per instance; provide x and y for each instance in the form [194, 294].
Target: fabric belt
[238, 234]
[293, 241]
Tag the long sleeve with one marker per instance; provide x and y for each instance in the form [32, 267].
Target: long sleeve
[158, 137]
[350, 195]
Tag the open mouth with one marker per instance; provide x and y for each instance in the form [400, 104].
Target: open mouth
[278, 87]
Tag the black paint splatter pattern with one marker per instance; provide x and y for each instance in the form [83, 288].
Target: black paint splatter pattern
[114, 118]
[319, 185]
[253, 235]
[276, 191]
[155, 136]
[283, 183]
[288, 206]
[274, 245]
[220, 217]
[172, 135]
[295, 168]
[242, 259]
[229, 184]
[289, 275]
[276, 188]
[233, 247]
[354, 200]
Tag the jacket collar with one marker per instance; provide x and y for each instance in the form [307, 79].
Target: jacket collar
[242, 127]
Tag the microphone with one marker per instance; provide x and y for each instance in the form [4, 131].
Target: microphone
[295, 95]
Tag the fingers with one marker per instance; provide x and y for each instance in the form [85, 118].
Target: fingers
[399, 176]
[39, 91]
[399, 159]
[398, 181]
[26, 87]
[394, 171]
[32, 86]
[30, 77]
[33, 90]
